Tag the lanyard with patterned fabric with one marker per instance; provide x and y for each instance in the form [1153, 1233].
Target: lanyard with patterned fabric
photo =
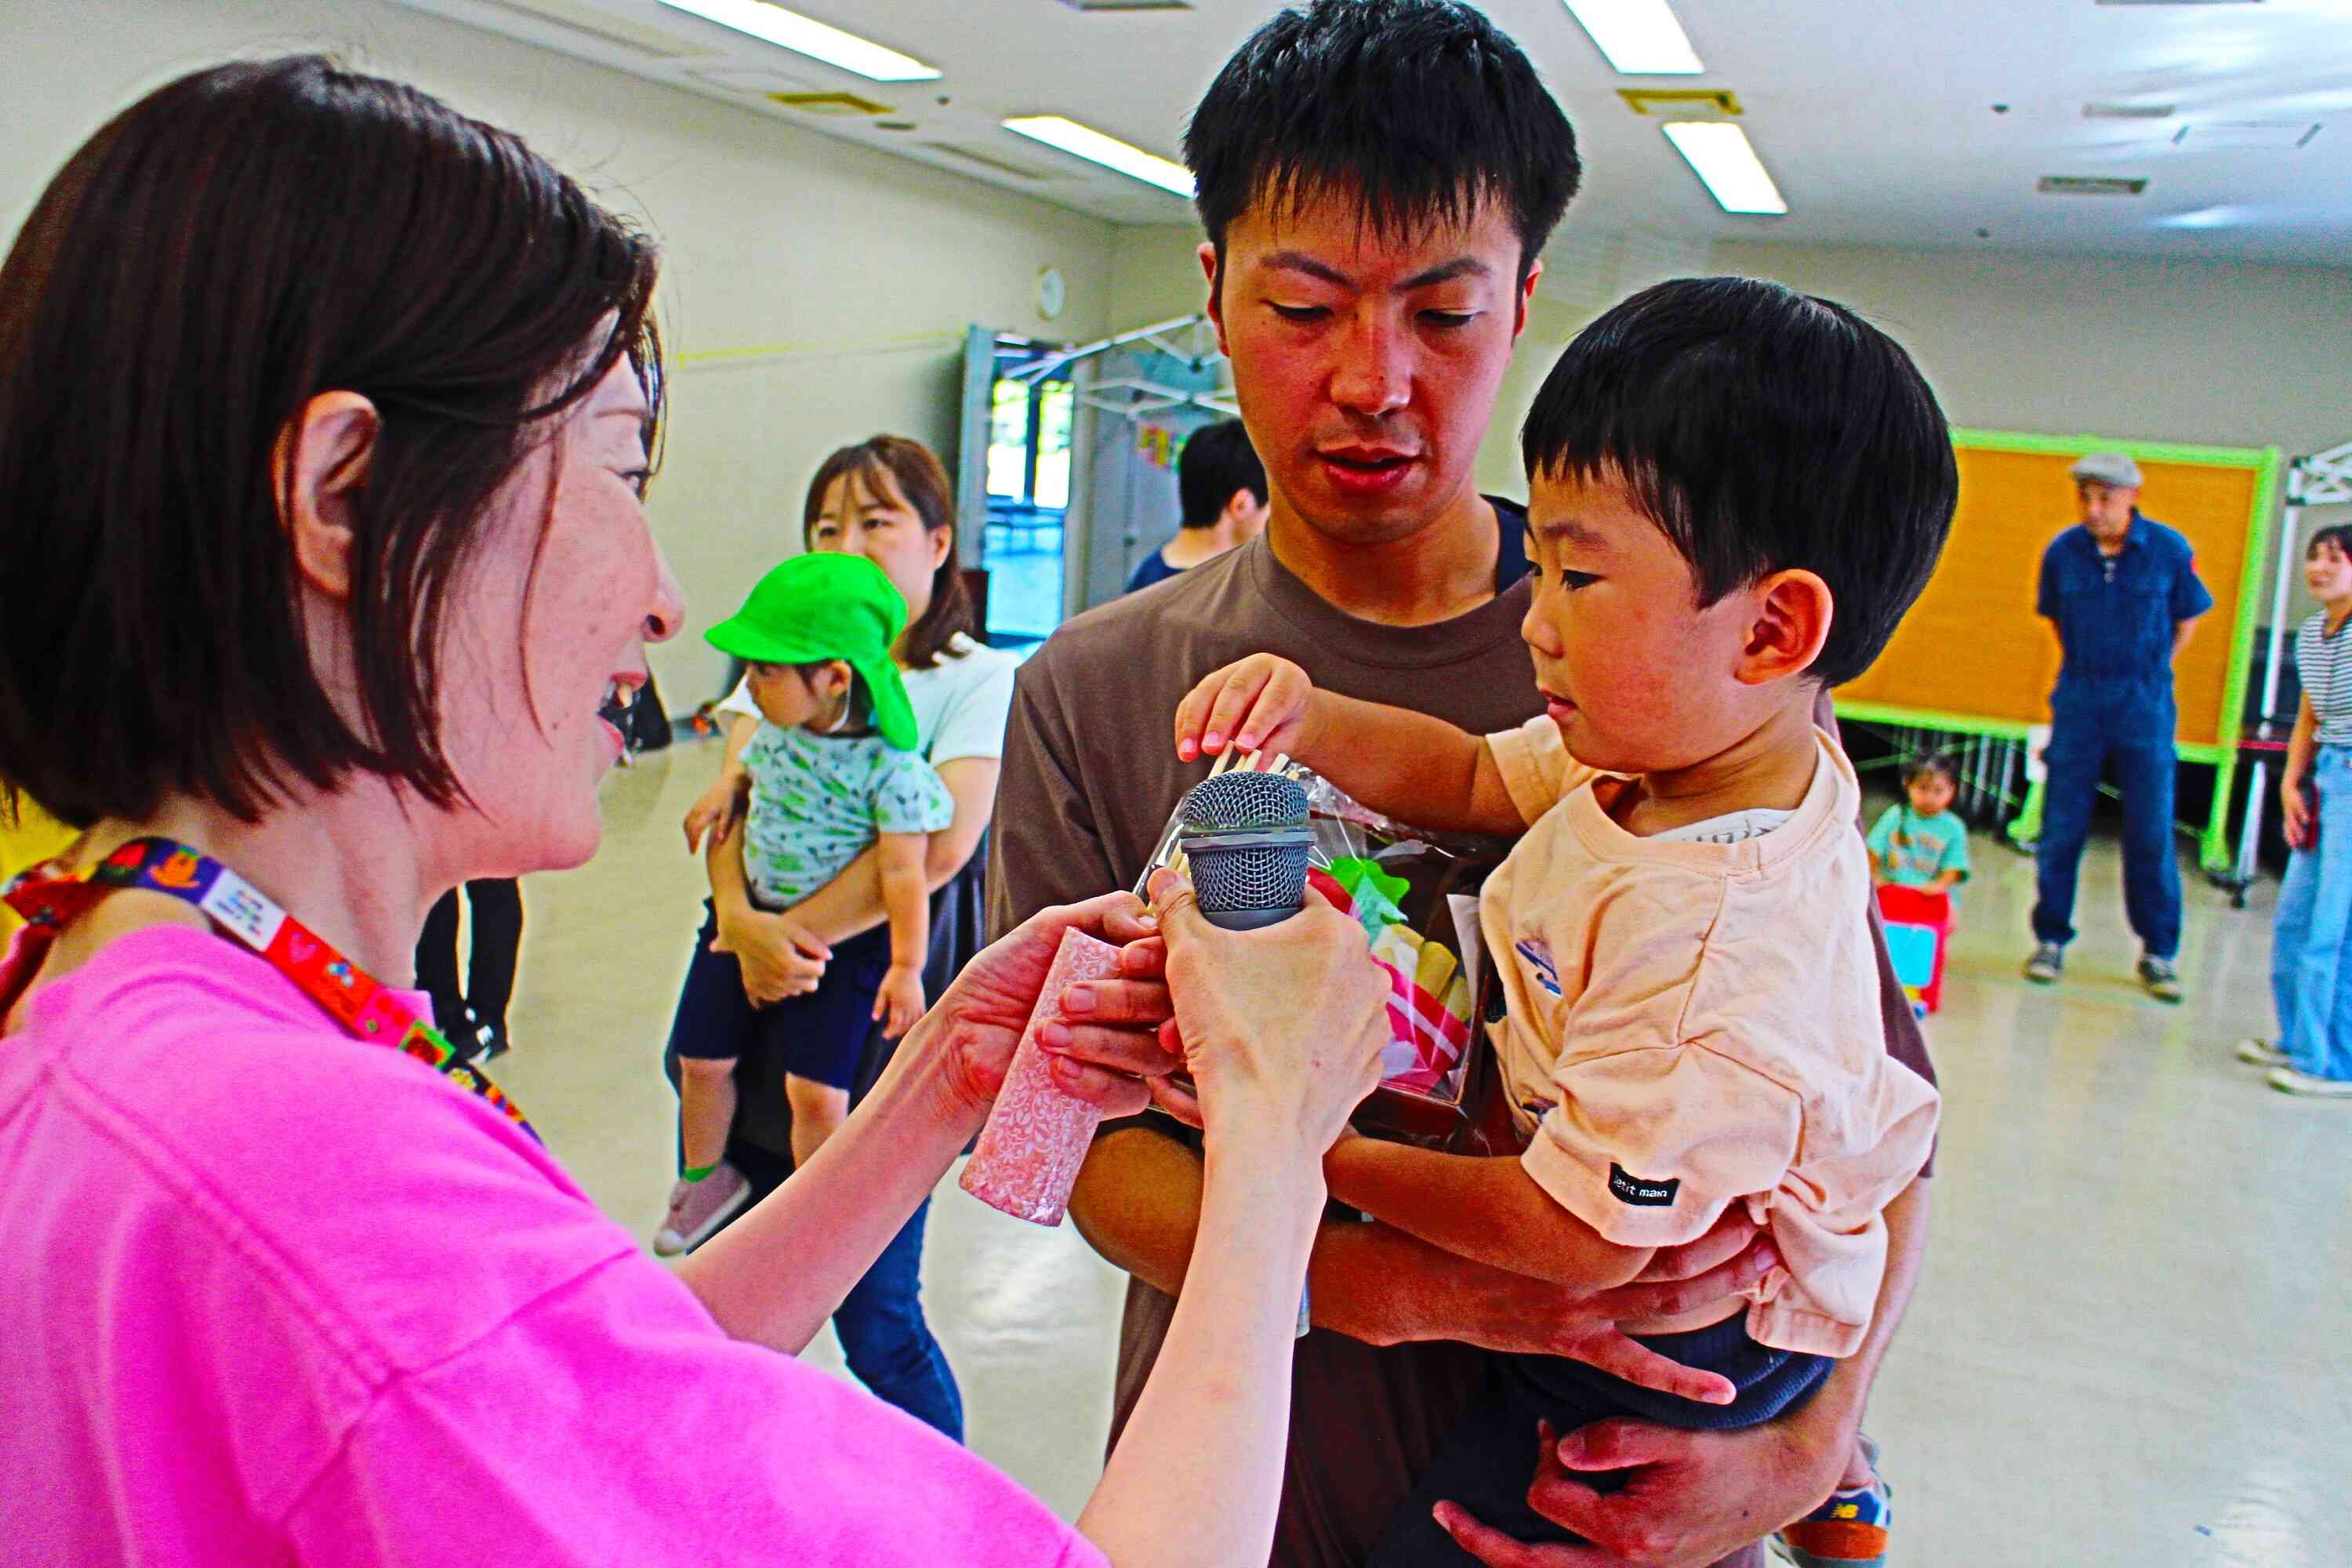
[52, 896]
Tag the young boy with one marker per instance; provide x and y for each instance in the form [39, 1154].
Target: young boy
[1737, 492]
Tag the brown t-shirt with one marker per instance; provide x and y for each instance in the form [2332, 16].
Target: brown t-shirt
[1089, 777]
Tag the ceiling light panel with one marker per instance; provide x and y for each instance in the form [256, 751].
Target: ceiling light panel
[2089, 185]
[1721, 155]
[807, 36]
[1640, 37]
[2219, 135]
[1085, 141]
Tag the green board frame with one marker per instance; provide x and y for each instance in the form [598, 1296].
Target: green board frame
[2266, 464]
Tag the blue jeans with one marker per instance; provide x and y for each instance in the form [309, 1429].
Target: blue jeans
[2129, 723]
[2308, 976]
[887, 1344]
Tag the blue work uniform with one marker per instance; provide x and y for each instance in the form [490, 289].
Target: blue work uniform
[2115, 616]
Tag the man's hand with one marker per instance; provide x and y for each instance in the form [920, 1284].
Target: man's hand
[1689, 1498]
[1496, 1309]
[779, 959]
[1255, 703]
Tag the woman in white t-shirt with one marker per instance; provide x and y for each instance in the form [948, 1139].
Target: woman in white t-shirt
[888, 499]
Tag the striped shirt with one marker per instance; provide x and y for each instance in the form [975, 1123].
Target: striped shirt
[2324, 663]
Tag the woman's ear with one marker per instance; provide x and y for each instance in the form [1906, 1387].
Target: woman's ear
[942, 546]
[1792, 614]
[319, 467]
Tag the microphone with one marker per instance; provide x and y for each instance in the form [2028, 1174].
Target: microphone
[1246, 841]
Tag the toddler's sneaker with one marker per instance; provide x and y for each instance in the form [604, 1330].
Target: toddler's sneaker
[2257, 1052]
[696, 1209]
[1849, 1531]
[2162, 980]
[2049, 960]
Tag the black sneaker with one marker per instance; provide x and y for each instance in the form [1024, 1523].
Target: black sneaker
[2049, 960]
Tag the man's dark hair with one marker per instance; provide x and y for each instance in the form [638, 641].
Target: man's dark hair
[1762, 430]
[1420, 110]
[223, 251]
[2338, 534]
[1217, 461]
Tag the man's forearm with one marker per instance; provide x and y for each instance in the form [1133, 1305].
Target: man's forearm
[1138, 1203]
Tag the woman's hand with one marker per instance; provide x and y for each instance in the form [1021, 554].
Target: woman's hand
[779, 957]
[1257, 702]
[1106, 1041]
[2297, 811]
[1282, 1030]
[717, 810]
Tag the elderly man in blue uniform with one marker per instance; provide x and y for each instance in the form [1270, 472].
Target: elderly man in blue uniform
[2122, 592]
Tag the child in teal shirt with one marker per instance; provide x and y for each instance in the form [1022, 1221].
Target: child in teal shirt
[834, 770]
[1921, 844]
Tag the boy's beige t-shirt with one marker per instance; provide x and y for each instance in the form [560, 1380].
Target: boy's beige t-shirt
[1696, 1024]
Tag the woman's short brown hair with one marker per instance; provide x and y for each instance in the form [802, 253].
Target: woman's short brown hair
[223, 251]
[920, 477]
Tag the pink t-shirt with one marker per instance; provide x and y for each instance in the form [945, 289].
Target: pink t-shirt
[271, 1295]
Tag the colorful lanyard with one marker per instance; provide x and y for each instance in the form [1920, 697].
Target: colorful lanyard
[51, 897]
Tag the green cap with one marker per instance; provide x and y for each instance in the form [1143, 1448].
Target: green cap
[826, 605]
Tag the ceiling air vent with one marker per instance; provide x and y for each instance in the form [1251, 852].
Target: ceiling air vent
[1129, 4]
[2088, 185]
[2217, 135]
[983, 161]
[836, 105]
[2127, 111]
[590, 26]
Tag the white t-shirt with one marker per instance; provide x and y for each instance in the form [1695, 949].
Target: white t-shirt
[960, 703]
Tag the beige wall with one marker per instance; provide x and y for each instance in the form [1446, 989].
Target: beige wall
[862, 270]
[2141, 349]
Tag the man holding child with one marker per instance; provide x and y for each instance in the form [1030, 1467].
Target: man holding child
[1376, 180]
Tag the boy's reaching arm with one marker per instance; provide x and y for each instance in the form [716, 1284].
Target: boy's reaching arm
[1408, 765]
[1485, 1209]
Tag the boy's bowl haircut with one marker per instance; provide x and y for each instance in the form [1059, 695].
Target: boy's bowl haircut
[1762, 430]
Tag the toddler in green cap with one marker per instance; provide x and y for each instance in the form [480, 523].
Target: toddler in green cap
[834, 771]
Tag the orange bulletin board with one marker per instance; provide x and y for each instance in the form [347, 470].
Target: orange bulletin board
[1972, 656]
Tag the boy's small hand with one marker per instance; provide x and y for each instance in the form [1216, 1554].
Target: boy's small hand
[899, 1002]
[1260, 702]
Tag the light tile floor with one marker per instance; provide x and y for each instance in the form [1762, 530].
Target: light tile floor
[2130, 1346]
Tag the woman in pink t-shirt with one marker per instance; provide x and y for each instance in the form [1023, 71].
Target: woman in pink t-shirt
[325, 417]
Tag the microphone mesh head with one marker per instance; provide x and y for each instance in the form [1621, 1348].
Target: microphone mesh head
[1253, 878]
[1261, 877]
[1238, 800]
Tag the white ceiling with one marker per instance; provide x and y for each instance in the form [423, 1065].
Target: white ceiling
[1876, 117]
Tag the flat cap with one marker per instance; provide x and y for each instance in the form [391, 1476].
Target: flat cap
[2115, 469]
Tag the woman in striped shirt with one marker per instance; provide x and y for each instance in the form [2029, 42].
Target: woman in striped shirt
[2310, 982]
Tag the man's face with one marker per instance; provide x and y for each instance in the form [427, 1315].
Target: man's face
[2107, 509]
[1366, 367]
